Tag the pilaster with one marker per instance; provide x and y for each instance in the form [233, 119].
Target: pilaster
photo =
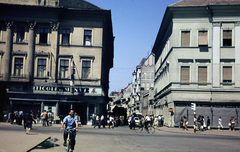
[7, 56]
[237, 54]
[55, 50]
[31, 50]
[216, 43]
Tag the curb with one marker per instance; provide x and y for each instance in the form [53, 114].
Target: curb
[30, 149]
[197, 133]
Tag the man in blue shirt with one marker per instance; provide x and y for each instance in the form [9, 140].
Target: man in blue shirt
[71, 123]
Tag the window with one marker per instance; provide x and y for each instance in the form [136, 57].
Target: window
[87, 37]
[86, 67]
[20, 34]
[185, 74]
[18, 66]
[43, 35]
[64, 68]
[185, 39]
[227, 74]
[65, 36]
[202, 74]
[227, 37]
[41, 69]
[202, 38]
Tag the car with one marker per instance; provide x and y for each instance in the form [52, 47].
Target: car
[137, 121]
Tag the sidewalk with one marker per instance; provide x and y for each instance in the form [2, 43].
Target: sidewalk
[208, 132]
[17, 141]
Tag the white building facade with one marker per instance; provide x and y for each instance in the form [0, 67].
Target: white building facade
[197, 53]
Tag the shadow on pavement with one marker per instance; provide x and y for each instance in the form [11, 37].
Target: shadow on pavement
[50, 143]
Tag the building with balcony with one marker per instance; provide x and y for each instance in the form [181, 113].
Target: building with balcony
[55, 55]
[197, 54]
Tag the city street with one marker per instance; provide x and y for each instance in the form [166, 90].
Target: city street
[123, 139]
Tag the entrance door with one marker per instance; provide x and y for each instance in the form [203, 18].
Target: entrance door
[81, 109]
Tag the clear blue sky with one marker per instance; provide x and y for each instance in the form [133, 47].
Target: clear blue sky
[135, 27]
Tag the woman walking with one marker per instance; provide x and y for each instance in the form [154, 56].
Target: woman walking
[220, 123]
[28, 122]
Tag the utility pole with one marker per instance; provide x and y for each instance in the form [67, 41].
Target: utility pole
[193, 107]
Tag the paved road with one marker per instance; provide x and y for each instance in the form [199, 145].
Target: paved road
[123, 139]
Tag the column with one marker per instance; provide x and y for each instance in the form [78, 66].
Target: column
[88, 115]
[57, 108]
[31, 50]
[8, 52]
[237, 54]
[42, 106]
[216, 43]
[54, 50]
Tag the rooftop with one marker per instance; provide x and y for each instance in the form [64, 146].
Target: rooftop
[204, 2]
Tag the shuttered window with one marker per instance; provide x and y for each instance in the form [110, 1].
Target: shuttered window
[202, 38]
[185, 74]
[202, 74]
[227, 74]
[227, 37]
[185, 38]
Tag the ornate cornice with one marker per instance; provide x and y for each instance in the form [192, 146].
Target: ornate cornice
[54, 26]
[9, 24]
[32, 24]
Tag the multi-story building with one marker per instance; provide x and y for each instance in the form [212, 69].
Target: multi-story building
[55, 54]
[197, 54]
[143, 80]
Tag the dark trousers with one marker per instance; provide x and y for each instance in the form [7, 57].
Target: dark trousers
[101, 123]
[72, 137]
[132, 124]
[96, 123]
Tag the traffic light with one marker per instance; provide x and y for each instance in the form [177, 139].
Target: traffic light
[193, 106]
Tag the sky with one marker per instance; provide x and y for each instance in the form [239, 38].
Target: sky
[135, 27]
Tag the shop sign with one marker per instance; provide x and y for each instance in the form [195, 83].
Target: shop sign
[88, 90]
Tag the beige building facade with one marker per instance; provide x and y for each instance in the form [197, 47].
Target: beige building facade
[55, 54]
[197, 61]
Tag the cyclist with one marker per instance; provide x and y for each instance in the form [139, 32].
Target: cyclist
[71, 123]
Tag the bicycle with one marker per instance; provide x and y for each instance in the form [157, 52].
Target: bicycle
[150, 129]
[69, 139]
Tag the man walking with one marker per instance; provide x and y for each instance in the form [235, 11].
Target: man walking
[44, 118]
[97, 121]
[102, 122]
[71, 123]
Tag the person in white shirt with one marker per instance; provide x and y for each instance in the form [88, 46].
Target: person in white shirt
[147, 120]
[159, 121]
[111, 122]
[220, 123]
[102, 122]
[97, 121]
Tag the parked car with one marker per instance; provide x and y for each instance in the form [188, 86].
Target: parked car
[137, 121]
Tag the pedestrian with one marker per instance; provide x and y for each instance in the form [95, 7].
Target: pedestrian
[204, 124]
[78, 118]
[28, 122]
[155, 121]
[57, 119]
[162, 120]
[12, 117]
[132, 122]
[93, 119]
[208, 123]
[97, 121]
[38, 116]
[111, 122]
[20, 115]
[9, 117]
[181, 123]
[44, 118]
[185, 123]
[159, 121]
[147, 120]
[16, 117]
[229, 124]
[233, 124]
[71, 123]
[101, 122]
[220, 123]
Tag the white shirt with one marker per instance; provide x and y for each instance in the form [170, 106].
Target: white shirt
[102, 117]
[219, 121]
[159, 118]
[147, 118]
[111, 119]
[97, 117]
